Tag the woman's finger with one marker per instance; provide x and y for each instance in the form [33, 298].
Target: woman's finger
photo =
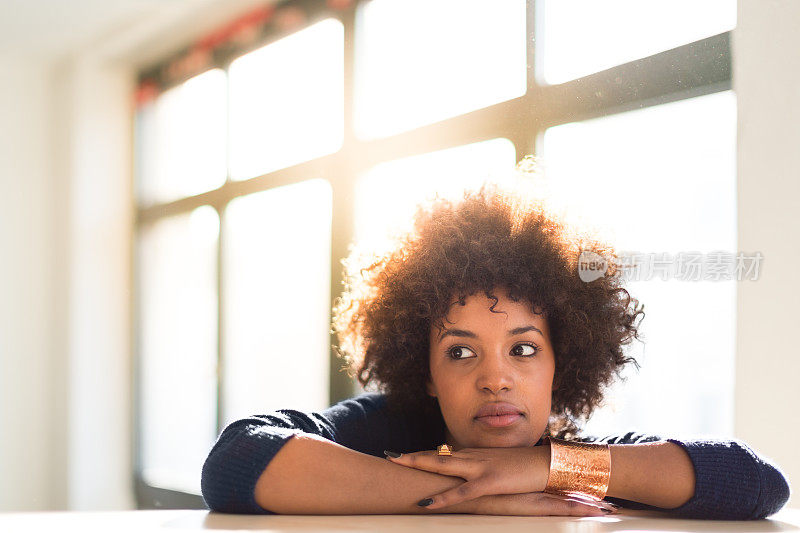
[431, 462]
[533, 504]
[464, 492]
[564, 506]
[601, 504]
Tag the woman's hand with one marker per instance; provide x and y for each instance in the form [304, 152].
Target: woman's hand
[534, 504]
[487, 471]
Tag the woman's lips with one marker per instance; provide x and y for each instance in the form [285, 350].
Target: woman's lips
[498, 408]
[499, 421]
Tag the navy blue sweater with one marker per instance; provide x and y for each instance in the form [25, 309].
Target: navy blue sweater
[732, 481]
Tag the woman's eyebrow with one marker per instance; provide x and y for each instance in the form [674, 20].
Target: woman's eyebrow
[464, 333]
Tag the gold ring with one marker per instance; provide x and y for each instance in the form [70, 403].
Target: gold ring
[444, 449]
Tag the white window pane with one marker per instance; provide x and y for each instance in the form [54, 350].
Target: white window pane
[181, 140]
[287, 101]
[178, 332]
[579, 37]
[662, 179]
[455, 56]
[277, 300]
[387, 195]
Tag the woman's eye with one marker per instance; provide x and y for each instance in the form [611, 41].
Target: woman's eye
[459, 352]
[520, 350]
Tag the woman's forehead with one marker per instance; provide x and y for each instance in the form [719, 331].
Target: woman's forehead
[480, 312]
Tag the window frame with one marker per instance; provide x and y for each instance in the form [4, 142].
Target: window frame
[694, 69]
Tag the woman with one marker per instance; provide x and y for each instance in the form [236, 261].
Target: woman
[480, 334]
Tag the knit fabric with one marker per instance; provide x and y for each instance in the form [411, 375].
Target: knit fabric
[732, 481]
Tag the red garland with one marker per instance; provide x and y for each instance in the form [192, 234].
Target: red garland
[243, 24]
[147, 91]
[338, 4]
[242, 30]
[289, 18]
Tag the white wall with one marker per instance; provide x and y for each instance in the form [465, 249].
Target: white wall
[30, 405]
[766, 72]
[97, 103]
[65, 223]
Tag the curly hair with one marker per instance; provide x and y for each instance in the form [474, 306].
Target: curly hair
[493, 238]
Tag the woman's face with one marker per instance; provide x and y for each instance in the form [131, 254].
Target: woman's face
[483, 357]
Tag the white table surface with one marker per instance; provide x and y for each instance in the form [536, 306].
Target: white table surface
[192, 520]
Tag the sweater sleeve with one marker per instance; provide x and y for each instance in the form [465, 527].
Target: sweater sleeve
[732, 482]
[245, 447]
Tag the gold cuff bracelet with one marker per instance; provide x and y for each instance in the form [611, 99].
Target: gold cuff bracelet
[578, 468]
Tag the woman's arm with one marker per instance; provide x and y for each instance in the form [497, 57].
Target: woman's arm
[294, 462]
[731, 481]
[319, 461]
[720, 479]
[312, 475]
[247, 446]
[658, 473]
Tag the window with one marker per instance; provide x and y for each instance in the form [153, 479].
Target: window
[286, 101]
[579, 37]
[277, 290]
[463, 55]
[264, 150]
[662, 180]
[178, 335]
[387, 194]
[182, 140]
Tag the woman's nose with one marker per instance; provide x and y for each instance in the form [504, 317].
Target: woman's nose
[495, 373]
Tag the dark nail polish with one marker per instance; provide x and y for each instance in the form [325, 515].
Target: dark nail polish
[425, 502]
[391, 454]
